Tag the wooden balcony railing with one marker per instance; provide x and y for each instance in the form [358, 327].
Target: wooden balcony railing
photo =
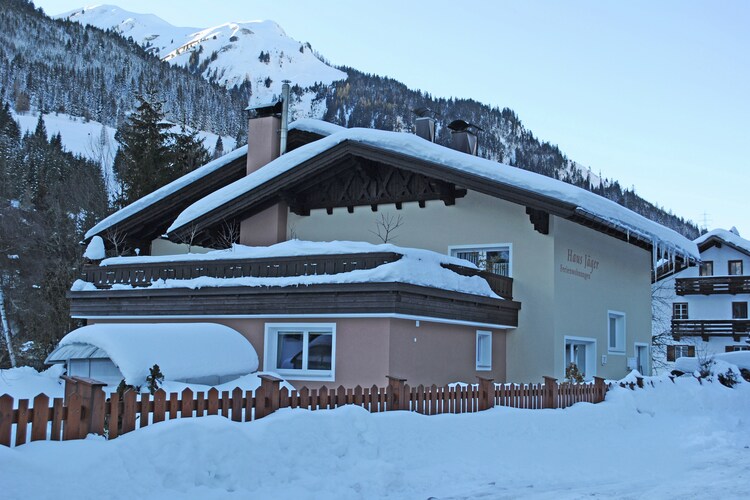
[707, 285]
[143, 274]
[738, 329]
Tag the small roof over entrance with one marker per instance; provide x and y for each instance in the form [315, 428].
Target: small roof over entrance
[183, 351]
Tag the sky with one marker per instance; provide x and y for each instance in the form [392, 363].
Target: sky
[653, 94]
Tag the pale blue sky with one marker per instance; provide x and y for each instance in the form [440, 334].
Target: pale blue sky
[654, 94]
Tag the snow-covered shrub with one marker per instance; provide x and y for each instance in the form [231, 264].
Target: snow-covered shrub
[729, 378]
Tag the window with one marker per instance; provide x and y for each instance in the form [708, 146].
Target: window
[484, 350]
[493, 258]
[616, 330]
[739, 310]
[737, 348]
[735, 267]
[581, 351]
[680, 351]
[707, 268]
[301, 351]
[680, 310]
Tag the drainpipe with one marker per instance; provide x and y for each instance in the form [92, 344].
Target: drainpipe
[284, 116]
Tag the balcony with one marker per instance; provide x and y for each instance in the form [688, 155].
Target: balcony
[708, 285]
[143, 274]
[737, 329]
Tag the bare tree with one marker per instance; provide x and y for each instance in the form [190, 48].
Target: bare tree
[229, 234]
[101, 150]
[117, 239]
[386, 226]
[189, 237]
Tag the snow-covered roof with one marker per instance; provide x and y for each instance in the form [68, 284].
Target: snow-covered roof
[588, 204]
[319, 127]
[165, 191]
[729, 237]
[182, 350]
[416, 266]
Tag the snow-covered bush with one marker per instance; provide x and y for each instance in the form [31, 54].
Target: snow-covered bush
[572, 374]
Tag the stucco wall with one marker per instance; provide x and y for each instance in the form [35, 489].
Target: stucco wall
[611, 276]
[435, 353]
[475, 219]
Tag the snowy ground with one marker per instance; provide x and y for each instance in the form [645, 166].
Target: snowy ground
[674, 440]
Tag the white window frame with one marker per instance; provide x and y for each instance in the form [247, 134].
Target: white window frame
[621, 336]
[270, 346]
[679, 349]
[485, 248]
[591, 352]
[484, 350]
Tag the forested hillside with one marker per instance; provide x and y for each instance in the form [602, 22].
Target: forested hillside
[59, 65]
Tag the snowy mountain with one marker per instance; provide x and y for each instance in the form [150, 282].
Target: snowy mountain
[233, 53]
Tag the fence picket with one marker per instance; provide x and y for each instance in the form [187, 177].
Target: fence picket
[237, 405]
[128, 411]
[213, 401]
[145, 408]
[57, 420]
[40, 417]
[340, 397]
[186, 403]
[160, 404]
[200, 404]
[174, 405]
[23, 421]
[225, 404]
[249, 406]
[70, 426]
[6, 419]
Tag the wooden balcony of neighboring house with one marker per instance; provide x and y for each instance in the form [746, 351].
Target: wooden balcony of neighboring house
[338, 298]
[737, 329]
[708, 285]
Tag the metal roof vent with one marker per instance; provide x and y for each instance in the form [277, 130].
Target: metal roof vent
[425, 123]
[464, 136]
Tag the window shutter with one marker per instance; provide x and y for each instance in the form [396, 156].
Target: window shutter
[670, 353]
[691, 351]
[729, 348]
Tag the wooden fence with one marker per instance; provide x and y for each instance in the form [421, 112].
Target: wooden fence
[85, 409]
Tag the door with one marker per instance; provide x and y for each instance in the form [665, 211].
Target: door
[642, 359]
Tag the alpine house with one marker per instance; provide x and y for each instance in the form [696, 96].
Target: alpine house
[345, 255]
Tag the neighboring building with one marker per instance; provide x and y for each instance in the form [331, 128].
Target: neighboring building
[564, 275]
[708, 304]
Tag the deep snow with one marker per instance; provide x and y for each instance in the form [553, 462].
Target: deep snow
[674, 440]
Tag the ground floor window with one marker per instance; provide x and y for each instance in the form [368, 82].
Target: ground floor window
[680, 351]
[484, 350]
[580, 352]
[301, 351]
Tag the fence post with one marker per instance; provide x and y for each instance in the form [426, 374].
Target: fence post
[486, 393]
[601, 389]
[92, 403]
[270, 399]
[639, 382]
[396, 401]
[549, 395]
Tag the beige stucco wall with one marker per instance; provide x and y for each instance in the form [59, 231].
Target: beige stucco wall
[621, 281]
[166, 247]
[435, 353]
[476, 219]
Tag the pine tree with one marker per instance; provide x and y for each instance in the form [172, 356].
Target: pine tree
[143, 160]
[188, 153]
[218, 149]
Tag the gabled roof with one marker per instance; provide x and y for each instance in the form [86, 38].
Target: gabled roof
[409, 152]
[148, 217]
[729, 238]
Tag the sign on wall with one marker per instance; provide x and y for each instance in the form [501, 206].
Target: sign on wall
[579, 264]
